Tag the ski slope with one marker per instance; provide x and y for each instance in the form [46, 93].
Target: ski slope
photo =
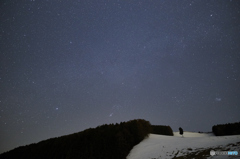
[193, 144]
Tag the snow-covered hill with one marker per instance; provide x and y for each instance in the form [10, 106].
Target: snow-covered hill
[192, 145]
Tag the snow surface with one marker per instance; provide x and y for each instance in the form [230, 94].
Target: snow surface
[166, 147]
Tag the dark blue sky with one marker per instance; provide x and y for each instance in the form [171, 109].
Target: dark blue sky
[69, 65]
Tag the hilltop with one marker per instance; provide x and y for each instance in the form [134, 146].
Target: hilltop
[106, 141]
[135, 139]
[192, 145]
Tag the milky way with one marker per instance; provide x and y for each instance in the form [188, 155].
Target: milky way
[66, 66]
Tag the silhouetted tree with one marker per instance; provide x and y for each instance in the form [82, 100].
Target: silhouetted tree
[226, 129]
[181, 131]
[161, 130]
[103, 142]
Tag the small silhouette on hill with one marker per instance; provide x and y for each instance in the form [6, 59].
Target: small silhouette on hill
[181, 131]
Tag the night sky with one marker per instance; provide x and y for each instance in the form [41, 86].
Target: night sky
[69, 65]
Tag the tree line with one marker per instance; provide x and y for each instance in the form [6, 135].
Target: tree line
[103, 142]
[226, 129]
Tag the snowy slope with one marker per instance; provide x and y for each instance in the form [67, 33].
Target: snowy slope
[192, 144]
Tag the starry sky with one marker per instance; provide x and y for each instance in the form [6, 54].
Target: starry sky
[68, 65]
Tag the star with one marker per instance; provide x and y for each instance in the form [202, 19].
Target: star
[106, 62]
[110, 115]
[218, 99]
